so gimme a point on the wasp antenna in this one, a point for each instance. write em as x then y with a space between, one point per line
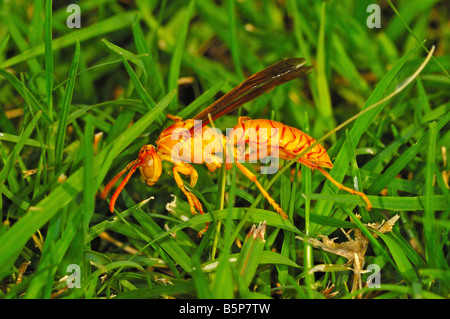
123 183
114 180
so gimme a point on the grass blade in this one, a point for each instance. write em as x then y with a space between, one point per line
144 96
435 256
168 244
65 107
156 80
413 203
404 266
48 54
12 158
323 91
234 44
127 55
177 56
251 253
3 43
27 95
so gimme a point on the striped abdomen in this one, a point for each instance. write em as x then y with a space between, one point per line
265 137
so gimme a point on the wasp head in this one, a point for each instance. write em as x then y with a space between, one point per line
150 164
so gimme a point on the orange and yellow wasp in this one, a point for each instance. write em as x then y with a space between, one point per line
190 148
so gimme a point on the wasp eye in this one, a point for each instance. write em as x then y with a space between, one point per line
144 150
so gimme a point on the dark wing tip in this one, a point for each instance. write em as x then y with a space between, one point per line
296 66
290 69
295 61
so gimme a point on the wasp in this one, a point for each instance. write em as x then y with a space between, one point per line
186 141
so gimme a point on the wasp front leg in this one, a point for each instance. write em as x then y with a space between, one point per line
194 203
188 170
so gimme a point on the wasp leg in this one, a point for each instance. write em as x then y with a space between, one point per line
194 203
174 117
243 119
253 178
347 189
213 163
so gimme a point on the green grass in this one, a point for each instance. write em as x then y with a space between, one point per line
118 75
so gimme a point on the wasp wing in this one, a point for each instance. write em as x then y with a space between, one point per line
256 85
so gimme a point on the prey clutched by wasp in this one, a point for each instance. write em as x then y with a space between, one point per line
193 141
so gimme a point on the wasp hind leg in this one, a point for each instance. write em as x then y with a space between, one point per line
253 178
347 189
